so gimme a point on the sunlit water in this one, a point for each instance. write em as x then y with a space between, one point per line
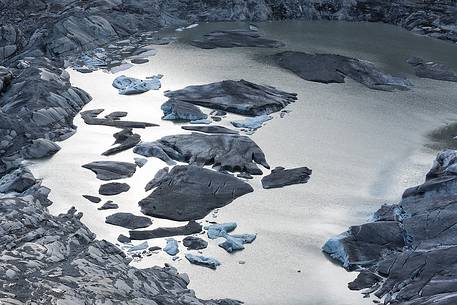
364 147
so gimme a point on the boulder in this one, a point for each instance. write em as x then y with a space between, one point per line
111 170
280 177
40 148
191 193
190 228
129 221
194 243
113 188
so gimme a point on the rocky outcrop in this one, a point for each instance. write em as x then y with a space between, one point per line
240 97
280 177
48 259
191 193
235 38
331 68
409 252
226 151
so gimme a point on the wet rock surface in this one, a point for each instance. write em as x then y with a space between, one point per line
190 228
113 188
241 97
210 129
432 70
229 152
181 111
128 220
191 193
44 255
280 177
235 38
331 68
90 117
194 243
111 170
409 252
125 139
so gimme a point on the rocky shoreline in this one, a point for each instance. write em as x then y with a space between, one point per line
56 259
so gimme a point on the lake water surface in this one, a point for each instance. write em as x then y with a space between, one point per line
364 146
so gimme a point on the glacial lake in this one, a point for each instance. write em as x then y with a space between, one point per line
364 147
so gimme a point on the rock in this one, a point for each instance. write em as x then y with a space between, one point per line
331 68
190 228
220 230
204 261
210 129
364 280
125 139
113 188
281 177
129 85
202 121
109 205
123 239
92 199
432 70
17 181
6 77
40 148
111 170
162 174
240 97
181 111
245 175
90 118
140 162
235 38
116 115
172 247
191 193
194 243
229 152
252 123
139 61
129 221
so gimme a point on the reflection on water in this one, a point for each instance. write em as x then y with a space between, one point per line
364 147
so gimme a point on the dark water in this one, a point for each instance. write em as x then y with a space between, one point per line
364 147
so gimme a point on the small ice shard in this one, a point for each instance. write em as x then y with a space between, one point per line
172 247
252 123
129 85
139 247
220 230
204 261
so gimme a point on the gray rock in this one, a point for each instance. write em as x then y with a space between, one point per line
172 247
162 174
140 162
241 97
125 139
432 70
113 188
129 221
190 228
40 148
129 85
331 68
17 181
90 117
181 111
280 177
210 129
109 205
191 193
194 243
111 170
229 152
139 61
204 261
235 38
92 199
123 239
